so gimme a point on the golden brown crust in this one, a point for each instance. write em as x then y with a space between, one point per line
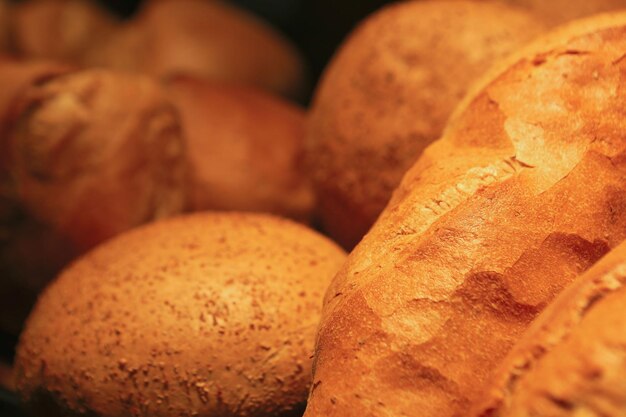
523 193
210 39
95 153
387 94
559 11
244 149
58 29
571 361
207 314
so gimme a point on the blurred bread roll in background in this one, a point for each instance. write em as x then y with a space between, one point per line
31 253
387 94
94 153
58 29
572 360
208 314
244 149
210 39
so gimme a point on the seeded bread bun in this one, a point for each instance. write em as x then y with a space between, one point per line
388 93
572 360
95 153
208 314
244 149
58 29
209 39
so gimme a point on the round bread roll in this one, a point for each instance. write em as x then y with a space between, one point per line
208 314
388 93
571 361
244 149
58 29
95 153
210 39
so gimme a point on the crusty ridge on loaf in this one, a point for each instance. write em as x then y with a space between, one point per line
572 360
431 300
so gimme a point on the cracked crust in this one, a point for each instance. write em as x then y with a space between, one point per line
430 302
207 39
207 314
94 153
388 93
572 360
244 149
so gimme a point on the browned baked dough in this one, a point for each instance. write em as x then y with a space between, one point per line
572 360
208 314
388 93
95 153
30 252
559 11
526 190
58 29
244 149
204 38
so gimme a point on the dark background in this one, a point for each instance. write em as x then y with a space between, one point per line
316 27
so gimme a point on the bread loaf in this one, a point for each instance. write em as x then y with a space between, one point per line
208 314
210 39
388 93
572 359
95 153
244 149
58 29
525 190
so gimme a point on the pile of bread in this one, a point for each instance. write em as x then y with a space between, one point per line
469 154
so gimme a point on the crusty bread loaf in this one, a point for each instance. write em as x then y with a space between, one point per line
244 149
58 29
207 314
95 153
525 191
572 360
204 38
388 93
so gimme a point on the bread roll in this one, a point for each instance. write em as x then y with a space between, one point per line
31 253
210 39
95 153
58 29
388 93
16 77
572 360
209 314
244 149
525 191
